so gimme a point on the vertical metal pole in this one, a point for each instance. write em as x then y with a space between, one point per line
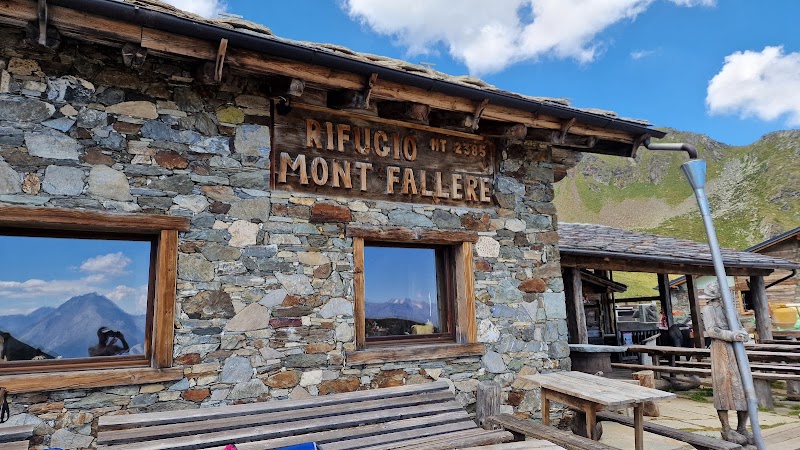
695 171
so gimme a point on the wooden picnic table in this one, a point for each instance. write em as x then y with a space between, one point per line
590 394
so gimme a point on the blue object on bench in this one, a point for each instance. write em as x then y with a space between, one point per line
306 446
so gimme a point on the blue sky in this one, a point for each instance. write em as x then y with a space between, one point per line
36 272
650 59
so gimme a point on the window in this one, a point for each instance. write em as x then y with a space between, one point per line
87 298
408 292
413 293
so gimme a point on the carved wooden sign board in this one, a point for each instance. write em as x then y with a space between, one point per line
332 153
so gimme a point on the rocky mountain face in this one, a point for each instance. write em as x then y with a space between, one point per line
754 190
69 330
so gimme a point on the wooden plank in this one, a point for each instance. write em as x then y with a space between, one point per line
16 433
629 263
78 24
39 382
758 295
359 320
787 368
327 152
81 220
400 437
451 440
753 355
665 298
772 348
704 372
171 43
17 445
576 315
683 436
411 235
536 430
166 417
323 415
418 424
523 445
466 318
694 309
283 428
164 313
603 391
421 352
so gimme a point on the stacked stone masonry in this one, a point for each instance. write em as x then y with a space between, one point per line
265 279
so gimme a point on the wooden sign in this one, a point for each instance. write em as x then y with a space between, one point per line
333 153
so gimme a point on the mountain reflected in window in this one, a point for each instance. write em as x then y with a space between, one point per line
402 292
72 298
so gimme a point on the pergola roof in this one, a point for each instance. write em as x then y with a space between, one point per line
606 248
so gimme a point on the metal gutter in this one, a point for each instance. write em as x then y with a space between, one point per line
167 22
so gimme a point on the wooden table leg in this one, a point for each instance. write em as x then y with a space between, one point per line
591 421
638 426
545 407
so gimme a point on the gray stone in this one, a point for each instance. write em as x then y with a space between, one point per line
236 370
305 361
194 267
92 118
248 389
252 140
180 385
486 247
555 305
295 284
63 438
69 89
140 109
252 317
487 331
160 131
209 305
114 141
105 182
405 217
507 185
111 96
219 145
344 332
336 307
60 180
243 233
255 180
18 199
503 311
62 124
506 291
217 252
52 144
250 209
559 349
194 203
188 100
532 309
444 219
143 400
273 298
11 137
493 362
24 109
181 184
537 221
9 179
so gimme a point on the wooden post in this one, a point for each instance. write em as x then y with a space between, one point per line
694 308
666 300
764 394
793 390
647 378
758 294
576 316
488 404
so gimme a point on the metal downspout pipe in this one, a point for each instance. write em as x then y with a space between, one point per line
695 171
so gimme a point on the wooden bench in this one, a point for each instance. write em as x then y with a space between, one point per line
522 428
417 416
697 441
15 437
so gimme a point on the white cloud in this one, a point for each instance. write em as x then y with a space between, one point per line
132 300
205 8
489 36
111 263
762 84
61 289
639 54
692 3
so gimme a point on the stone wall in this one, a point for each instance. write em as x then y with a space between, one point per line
265 279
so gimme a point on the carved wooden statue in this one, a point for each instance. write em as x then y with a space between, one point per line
727 381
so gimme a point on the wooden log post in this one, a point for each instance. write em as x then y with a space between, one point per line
764 394
576 316
694 309
666 299
758 294
793 390
488 404
647 378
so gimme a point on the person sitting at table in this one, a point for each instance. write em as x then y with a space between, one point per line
725 377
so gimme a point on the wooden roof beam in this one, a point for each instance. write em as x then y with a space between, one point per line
626 264
406 111
517 131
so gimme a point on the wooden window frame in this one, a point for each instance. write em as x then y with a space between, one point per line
155 365
464 338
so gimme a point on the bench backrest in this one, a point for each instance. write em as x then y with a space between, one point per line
359 419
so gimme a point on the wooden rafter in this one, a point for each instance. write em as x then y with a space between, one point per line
476 116
222 50
368 88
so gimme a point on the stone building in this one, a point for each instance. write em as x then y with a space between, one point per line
275 186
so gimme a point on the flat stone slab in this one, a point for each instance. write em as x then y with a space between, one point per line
590 348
